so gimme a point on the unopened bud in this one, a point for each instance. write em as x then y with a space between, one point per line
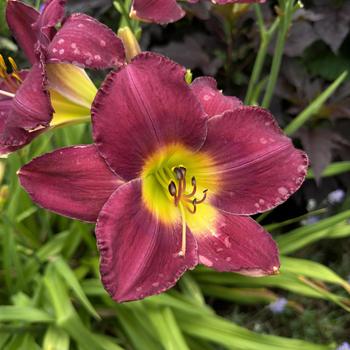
132 47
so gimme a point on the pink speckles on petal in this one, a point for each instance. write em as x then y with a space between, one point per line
283 191
260 167
160 11
250 249
80 46
212 100
205 261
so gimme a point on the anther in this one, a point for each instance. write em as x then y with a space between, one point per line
2 64
203 198
179 173
194 190
13 64
172 189
183 171
194 203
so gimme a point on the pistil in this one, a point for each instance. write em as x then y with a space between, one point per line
178 192
184 226
7 94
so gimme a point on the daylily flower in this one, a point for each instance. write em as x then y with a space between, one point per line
56 90
167 11
172 175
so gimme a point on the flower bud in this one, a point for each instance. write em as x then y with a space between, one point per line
132 47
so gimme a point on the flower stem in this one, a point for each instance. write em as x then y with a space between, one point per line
287 9
123 8
265 37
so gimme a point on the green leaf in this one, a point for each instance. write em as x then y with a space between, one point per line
136 325
285 280
4 337
333 169
55 339
22 342
227 334
66 273
167 329
24 314
334 226
66 316
276 225
313 270
240 295
314 107
190 288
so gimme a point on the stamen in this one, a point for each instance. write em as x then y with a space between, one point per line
13 64
194 190
8 78
182 252
179 174
203 198
194 203
183 171
180 177
172 188
2 64
15 70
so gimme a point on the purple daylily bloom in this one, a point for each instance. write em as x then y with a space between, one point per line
167 11
55 79
173 174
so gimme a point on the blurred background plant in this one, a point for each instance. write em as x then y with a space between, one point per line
287 56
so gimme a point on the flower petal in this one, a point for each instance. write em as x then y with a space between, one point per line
71 82
258 165
31 108
5 108
238 245
66 111
20 18
212 100
139 255
142 107
52 14
159 11
74 43
223 2
14 84
73 181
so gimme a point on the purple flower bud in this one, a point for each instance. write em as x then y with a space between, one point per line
278 306
336 196
344 346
